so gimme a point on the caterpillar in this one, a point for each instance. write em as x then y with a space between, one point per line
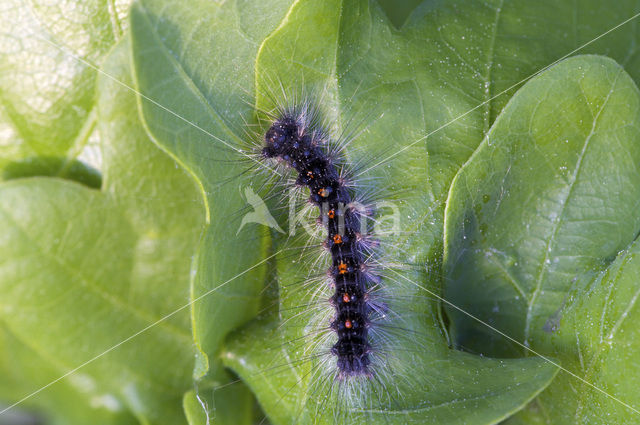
293 141
337 316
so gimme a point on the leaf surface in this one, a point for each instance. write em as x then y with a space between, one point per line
99 266
47 97
533 222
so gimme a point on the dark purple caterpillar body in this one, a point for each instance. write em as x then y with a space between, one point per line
290 140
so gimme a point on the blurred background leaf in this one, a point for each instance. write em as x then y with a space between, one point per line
98 266
47 97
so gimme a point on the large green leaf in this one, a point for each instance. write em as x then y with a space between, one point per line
596 338
47 102
82 270
74 401
204 84
231 405
545 204
551 193
472 52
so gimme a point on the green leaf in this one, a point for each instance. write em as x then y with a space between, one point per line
82 270
597 339
398 12
60 273
545 204
472 54
199 60
551 193
204 87
47 101
74 401
231 405
193 408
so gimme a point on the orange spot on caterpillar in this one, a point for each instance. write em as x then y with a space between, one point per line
348 324
346 298
310 174
342 268
324 192
337 239
331 214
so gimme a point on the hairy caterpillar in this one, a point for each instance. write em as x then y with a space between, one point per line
299 145
337 313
